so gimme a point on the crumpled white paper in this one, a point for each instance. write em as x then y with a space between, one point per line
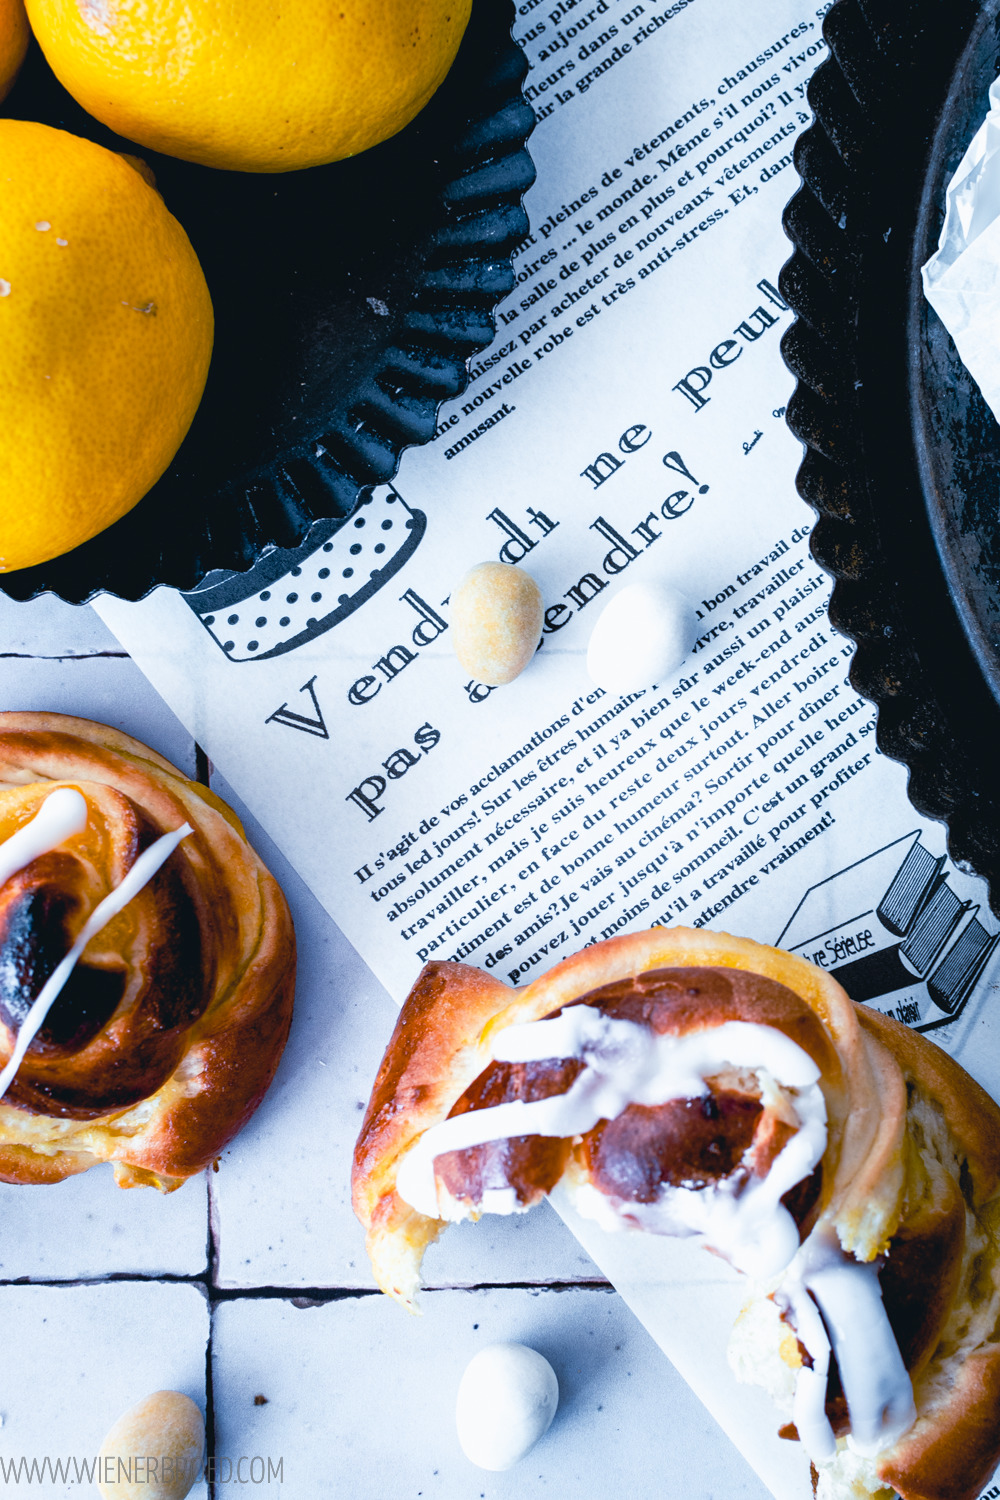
962 279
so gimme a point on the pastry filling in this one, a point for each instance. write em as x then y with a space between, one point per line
700 1133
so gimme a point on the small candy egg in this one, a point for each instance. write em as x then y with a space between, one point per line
160 1442
641 636
506 1401
496 622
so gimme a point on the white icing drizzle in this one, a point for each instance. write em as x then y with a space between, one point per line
809 1408
61 815
628 1064
877 1386
54 827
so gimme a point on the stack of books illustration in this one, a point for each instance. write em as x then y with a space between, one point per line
895 934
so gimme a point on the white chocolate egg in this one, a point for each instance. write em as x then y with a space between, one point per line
153 1452
641 637
496 622
506 1401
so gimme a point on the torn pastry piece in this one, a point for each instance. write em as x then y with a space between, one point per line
689 1083
938 1283
147 960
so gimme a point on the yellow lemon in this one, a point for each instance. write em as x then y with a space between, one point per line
13 41
105 340
252 85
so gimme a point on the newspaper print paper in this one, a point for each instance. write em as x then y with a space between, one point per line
627 423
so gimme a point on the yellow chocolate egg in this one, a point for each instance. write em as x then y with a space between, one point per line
153 1452
496 622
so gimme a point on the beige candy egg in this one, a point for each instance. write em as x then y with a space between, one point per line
153 1452
496 622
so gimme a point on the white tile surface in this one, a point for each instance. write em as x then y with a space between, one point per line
110 689
627 1423
109 1230
75 1358
86 1226
283 1189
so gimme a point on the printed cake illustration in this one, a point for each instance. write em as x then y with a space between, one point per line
293 595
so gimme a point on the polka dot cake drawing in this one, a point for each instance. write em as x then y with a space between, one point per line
292 596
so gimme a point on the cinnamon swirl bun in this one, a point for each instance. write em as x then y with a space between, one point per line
147 960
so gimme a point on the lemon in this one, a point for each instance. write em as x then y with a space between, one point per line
105 340
13 41
252 85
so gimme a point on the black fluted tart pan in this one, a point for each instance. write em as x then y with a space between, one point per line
348 300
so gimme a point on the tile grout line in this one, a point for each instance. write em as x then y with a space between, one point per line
202 766
210 1444
212 1281
67 656
202 772
307 1296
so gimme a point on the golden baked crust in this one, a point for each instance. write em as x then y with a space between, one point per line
169 1033
435 1052
952 1450
973 1117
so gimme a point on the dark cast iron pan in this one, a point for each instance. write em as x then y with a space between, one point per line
902 458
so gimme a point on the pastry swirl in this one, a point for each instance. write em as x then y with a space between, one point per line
683 1082
167 1033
